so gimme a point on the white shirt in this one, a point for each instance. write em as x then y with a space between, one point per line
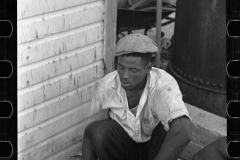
161 101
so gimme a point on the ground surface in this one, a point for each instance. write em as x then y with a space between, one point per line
78 156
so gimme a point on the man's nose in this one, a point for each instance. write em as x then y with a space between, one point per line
126 74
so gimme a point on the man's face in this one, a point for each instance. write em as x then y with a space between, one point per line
131 70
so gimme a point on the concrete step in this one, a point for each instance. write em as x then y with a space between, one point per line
206 128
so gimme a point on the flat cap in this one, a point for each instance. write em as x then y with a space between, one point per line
135 43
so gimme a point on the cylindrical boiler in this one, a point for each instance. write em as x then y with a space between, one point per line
199 59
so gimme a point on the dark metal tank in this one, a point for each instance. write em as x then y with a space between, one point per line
199 59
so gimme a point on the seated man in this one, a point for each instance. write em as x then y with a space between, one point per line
216 150
146 118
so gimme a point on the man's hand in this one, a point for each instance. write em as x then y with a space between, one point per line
104 114
176 140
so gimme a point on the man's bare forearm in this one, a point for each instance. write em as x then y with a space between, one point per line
176 140
173 146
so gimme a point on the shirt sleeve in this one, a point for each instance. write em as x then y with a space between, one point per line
97 99
169 104
98 102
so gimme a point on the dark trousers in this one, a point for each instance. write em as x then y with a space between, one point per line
111 142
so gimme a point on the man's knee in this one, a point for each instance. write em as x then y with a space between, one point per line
97 133
196 157
89 130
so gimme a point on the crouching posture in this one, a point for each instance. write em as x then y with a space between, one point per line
145 117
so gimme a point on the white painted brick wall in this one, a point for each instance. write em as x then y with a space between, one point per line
61 57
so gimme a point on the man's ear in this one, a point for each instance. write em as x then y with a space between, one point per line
149 66
115 63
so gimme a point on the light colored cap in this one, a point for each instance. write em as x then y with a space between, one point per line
135 43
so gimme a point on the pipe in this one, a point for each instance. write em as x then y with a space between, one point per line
158 36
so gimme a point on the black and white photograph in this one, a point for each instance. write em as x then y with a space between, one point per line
121 80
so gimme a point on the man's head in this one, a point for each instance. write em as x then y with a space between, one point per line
135 54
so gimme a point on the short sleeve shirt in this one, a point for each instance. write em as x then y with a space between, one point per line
161 101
